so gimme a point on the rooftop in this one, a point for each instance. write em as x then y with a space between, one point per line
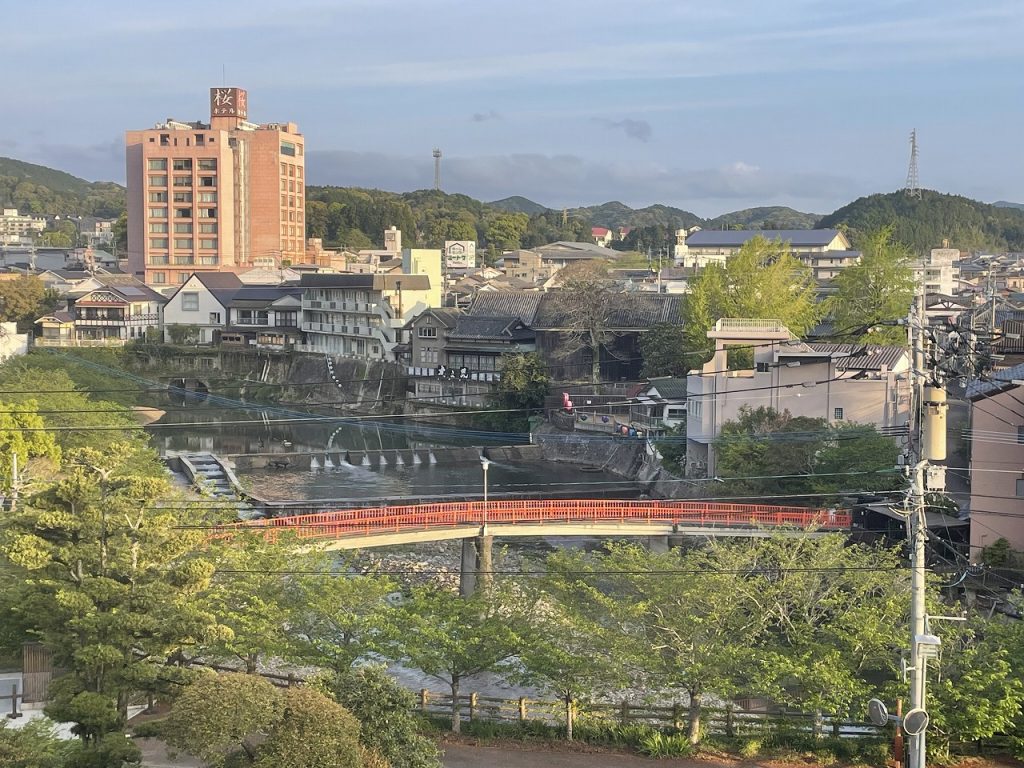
797 238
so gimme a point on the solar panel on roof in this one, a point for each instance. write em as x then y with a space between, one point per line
131 290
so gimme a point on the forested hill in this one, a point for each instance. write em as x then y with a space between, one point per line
769 217
923 223
40 190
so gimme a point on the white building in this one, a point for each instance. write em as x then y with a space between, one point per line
12 343
853 383
940 271
825 251
202 303
16 229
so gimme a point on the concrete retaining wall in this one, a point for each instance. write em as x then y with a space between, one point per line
374 459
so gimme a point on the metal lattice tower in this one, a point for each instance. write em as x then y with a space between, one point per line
913 188
437 168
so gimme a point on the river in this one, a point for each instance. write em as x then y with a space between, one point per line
201 426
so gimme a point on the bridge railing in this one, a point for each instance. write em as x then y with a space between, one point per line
379 520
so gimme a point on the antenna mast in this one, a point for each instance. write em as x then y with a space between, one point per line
437 169
913 188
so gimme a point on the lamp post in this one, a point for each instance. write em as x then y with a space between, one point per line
486 541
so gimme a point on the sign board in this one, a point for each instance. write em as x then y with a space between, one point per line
228 102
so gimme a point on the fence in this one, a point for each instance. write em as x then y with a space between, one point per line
11 711
724 721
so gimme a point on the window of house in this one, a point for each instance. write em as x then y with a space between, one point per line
837 414
215 318
675 413
253 317
427 332
287 318
694 408
190 301
158 164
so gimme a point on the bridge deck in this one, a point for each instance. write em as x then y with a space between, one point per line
530 517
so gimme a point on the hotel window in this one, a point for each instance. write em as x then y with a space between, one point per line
183 197
200 140
158 181
298 171
182 229
208 260
158 197
207 213
182 164
158 227
159 278
158 213
284 169
158 164
208 229
184 243
158 242
208 242
183 213
183 278
208 164
284 201
158 260
291 185
184 261
183 181
207 197
288 148
207 181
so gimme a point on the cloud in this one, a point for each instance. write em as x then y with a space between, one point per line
634 129
100 161
483 117
559 180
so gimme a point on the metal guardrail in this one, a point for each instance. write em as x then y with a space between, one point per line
377 520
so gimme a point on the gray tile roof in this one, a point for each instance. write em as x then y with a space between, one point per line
669 387
860 357
627 311
521 304
223 285
482 327
797 238
996 382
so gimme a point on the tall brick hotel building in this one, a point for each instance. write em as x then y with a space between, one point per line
223 196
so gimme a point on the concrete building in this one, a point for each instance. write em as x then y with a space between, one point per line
18 229
997 461
362 316
852 383
825 251
12 343
219 196
940 271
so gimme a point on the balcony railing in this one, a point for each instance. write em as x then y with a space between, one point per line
750 324
111 342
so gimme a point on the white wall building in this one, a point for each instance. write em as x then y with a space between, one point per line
940 271
202 301
18 229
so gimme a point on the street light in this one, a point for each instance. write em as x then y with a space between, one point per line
485 463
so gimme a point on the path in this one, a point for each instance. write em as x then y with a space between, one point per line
464 756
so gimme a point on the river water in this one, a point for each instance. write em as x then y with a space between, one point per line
200 426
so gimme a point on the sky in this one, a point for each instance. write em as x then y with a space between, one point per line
710 106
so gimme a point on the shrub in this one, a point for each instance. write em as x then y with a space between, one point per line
750 748
661 745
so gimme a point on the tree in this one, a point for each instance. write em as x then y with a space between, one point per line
573 650
23 439
35 745
450 637
385 710
663 348
243 719
762 280
108 580
780 453
523 387
120 232
24 300
585 302
878 289
505 231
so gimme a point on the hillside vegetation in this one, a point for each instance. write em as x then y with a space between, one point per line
767 217
39 190
925 222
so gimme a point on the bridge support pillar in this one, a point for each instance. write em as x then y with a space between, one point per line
467 574
657 544
485 561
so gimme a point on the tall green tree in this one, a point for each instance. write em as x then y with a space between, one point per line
108 580
762 280
878 289
25 444
451 638
585 301
664 349
24 300
523 386
505 231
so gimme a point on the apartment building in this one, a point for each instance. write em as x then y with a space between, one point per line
856 383
223 195
18 229
940 271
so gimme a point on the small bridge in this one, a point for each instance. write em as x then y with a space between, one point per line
383 526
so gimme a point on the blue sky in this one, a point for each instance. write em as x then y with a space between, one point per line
710 106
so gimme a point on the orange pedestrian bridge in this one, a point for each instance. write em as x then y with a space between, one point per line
604 518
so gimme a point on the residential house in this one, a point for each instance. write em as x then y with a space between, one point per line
997 460
842 383
361 315
105 310
659 405
200 305
265 316
602 236
63 280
